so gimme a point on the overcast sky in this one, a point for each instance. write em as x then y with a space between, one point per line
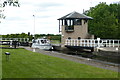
20 19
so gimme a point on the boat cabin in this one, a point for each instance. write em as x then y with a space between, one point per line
41 43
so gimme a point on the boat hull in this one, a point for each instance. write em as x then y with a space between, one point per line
44 47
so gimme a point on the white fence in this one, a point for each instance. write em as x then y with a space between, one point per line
93 42
16 39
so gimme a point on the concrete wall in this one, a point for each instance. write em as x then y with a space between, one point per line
113 56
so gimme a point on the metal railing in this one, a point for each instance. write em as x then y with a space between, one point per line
69 28
93 42
16 39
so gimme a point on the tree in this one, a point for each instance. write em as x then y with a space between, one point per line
11 3
118 20
105 20
4 3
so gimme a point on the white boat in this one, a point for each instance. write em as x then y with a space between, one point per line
42 43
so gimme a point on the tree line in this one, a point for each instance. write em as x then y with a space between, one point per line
106 20
30 36
105 23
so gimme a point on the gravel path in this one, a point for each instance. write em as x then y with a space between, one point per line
88 61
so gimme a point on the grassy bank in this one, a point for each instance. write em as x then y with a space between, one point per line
27 64
0 63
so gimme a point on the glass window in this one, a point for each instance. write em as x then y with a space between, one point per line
79 37
34 41
42 41
85 21
78 22
45 41
69 37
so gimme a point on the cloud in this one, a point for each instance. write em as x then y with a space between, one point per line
48 4
46 14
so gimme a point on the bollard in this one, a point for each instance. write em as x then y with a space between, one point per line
10 43
15 44
7 56
33 49
117 49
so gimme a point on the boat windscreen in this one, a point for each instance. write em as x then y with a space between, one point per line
33 41
43 41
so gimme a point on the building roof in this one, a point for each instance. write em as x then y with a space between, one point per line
75 15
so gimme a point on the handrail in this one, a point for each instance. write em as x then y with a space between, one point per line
93 42
16 39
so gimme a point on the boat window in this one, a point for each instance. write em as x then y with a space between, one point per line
34 41
42 41
38 42
45 41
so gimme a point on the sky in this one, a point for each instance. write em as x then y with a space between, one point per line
21 19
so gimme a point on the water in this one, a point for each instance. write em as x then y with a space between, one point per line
91 55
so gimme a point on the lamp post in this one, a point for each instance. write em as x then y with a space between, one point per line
34 26
118 53
34 32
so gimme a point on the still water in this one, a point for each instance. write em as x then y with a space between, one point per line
91 55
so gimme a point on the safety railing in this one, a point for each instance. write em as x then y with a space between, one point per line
93 42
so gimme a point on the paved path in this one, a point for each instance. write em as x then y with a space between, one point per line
88 61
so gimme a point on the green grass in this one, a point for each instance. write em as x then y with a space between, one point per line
27 64
55 42
0 63
4 46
